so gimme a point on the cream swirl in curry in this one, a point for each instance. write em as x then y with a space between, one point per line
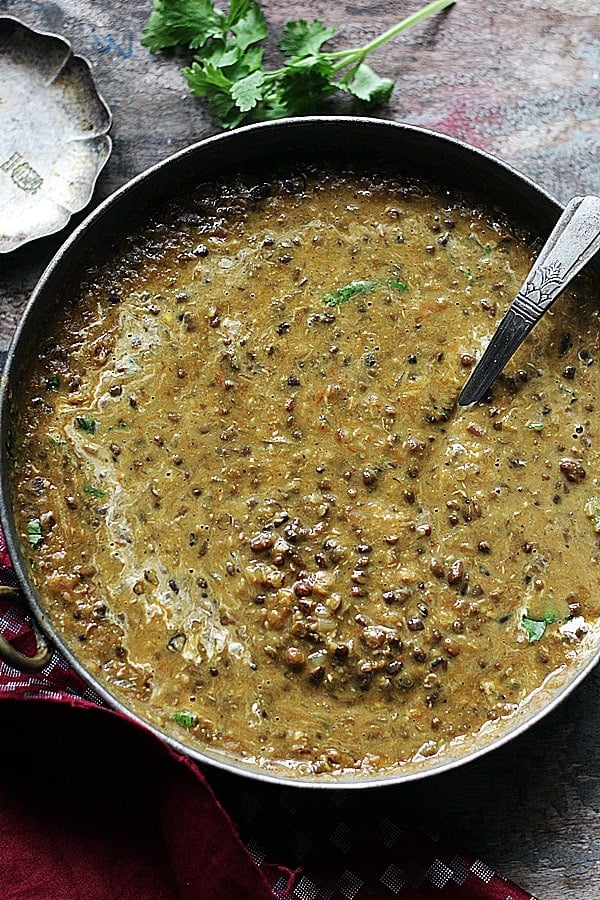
253 507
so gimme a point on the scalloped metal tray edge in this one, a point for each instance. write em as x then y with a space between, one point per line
54 138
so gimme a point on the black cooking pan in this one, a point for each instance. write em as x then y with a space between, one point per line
409 152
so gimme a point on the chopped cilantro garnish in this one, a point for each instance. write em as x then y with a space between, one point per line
87 424
592 511
536 627
93 491
343 294
361 286
185 718
34 533
397 284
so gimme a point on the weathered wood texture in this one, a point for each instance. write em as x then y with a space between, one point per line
522 81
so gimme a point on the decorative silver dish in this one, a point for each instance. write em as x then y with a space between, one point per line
53 133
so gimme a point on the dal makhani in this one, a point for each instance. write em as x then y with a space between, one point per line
251 503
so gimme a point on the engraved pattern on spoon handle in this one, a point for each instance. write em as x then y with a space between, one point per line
538 292
573 242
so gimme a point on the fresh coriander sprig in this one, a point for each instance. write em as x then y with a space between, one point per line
227 68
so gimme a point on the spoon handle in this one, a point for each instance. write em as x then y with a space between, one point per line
573 242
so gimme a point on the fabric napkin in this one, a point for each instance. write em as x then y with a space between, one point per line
95 807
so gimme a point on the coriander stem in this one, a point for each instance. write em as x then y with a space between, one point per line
429 10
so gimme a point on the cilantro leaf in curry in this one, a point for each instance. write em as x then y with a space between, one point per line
87 424
95 492
592 510
227 62
184 718
361 286
34 533
535 628
343 294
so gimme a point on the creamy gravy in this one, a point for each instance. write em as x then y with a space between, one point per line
252 506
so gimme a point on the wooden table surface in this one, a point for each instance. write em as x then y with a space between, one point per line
521 80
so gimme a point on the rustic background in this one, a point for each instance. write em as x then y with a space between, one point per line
521 80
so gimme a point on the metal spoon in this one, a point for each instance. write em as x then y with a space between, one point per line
573 242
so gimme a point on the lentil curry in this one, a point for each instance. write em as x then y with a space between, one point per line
251 503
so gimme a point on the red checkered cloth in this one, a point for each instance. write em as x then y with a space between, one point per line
95 807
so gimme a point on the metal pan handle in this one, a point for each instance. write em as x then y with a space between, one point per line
13 657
